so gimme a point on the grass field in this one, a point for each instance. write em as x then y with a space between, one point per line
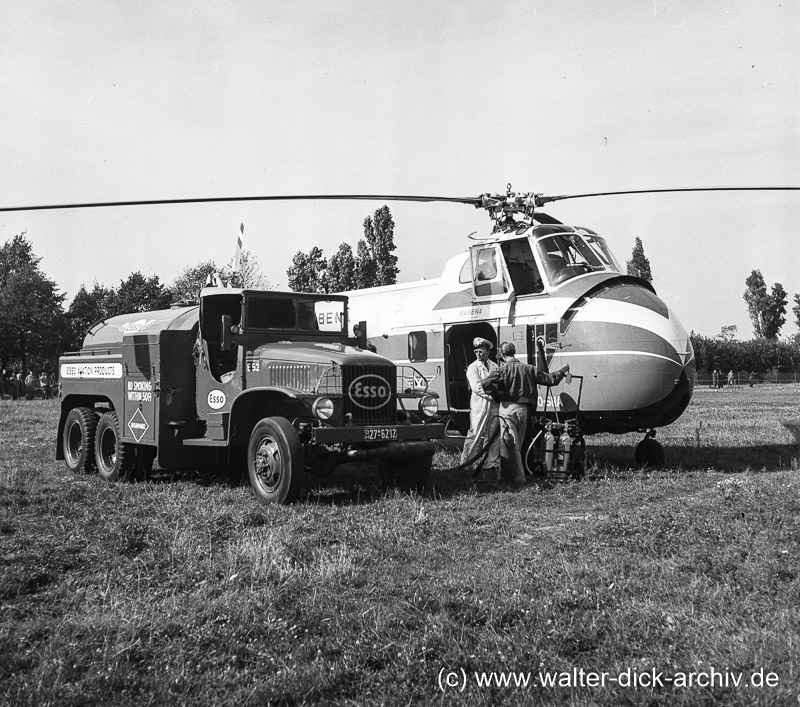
684 581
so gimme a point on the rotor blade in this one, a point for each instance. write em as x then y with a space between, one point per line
475 201
541 200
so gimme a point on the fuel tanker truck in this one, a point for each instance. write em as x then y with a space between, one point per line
262 379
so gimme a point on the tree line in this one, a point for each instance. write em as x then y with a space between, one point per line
35 328
767 310
374 263
766 307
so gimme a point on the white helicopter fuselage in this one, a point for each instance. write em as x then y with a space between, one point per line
634 356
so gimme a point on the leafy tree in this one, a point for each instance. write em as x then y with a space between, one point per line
796 310
380 239
766 309
140 294
189 282
33 326
341 270
86 309
308 271
366 274
728 333
249 274
639 265
373 265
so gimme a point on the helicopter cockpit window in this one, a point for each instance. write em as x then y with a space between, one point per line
567 255
489 278
601 249
521 266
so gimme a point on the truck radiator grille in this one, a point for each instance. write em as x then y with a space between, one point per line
370 394
291 375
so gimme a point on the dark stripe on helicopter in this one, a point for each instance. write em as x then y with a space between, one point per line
608 337
637 295
623 288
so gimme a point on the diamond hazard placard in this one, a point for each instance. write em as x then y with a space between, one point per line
138 425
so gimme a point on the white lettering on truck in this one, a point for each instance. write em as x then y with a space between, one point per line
140 391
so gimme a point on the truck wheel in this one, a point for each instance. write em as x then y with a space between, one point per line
114 458
410 474
275 461
78 439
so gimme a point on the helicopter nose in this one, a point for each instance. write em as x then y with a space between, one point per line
634 353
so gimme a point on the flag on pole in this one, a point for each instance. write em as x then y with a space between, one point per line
237 259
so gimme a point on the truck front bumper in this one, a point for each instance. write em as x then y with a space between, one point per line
378 436
394 450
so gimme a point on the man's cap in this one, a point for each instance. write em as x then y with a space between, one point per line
480 343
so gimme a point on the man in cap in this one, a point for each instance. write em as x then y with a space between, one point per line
519 396
483 411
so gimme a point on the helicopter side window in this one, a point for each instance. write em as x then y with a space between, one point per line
487 265
521 267
489 278
417 346
465 276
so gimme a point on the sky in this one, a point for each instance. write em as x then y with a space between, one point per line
109 100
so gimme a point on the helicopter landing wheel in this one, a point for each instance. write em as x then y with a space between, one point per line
649 452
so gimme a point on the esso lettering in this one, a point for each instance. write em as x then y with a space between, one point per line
370 391
217 399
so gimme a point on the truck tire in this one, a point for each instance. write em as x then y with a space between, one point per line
77 440
275 461
114 458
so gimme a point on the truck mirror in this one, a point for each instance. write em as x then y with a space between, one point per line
360 330
227 333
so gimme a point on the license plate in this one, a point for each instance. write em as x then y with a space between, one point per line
378 433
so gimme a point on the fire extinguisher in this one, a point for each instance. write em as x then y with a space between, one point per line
565 442
549 446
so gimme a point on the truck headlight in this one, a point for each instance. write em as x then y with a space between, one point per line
429 405
323 408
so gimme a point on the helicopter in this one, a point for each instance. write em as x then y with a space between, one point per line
555 290
559 294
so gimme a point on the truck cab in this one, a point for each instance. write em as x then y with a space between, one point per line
270 380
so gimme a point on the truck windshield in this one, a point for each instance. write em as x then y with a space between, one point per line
567 255
303 314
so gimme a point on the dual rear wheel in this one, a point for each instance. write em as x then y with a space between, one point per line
92 441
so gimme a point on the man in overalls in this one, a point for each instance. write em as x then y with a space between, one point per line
483 411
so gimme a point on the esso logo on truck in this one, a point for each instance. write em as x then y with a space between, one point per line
217 399
370 391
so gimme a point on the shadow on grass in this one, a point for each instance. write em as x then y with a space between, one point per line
361 483
771 457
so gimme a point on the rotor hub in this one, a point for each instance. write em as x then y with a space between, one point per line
509 211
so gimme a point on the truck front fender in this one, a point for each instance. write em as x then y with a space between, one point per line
255 404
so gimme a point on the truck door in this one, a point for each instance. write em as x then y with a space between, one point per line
140 383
